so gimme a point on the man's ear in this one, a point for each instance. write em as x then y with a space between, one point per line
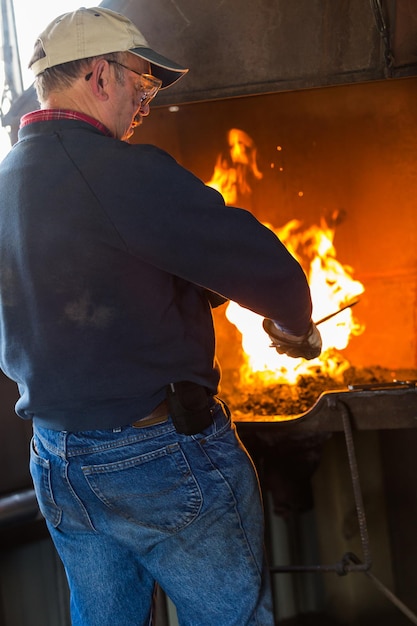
100 79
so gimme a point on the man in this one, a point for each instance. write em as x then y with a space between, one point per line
110 254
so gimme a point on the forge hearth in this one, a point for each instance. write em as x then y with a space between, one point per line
346 151
286 400
378 406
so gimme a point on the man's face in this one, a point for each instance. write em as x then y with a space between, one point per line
131 95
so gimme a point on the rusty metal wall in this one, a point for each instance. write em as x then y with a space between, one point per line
238 47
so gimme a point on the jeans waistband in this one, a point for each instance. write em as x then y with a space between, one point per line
61 443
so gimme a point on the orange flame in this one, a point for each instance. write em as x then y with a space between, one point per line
232 171
331 283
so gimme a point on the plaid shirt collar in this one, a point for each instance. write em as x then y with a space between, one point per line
46 115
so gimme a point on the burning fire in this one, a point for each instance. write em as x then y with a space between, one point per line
232 172
331 283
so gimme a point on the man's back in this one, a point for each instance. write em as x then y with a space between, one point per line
94 325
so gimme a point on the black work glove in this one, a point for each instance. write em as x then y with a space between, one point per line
307 346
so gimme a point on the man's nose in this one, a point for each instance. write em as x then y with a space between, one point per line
144 109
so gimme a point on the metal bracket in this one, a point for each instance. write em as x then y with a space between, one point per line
350 562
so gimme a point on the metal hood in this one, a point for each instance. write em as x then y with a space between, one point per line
239 48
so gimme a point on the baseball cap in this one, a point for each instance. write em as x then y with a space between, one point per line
89 32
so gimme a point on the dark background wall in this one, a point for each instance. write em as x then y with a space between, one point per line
239 47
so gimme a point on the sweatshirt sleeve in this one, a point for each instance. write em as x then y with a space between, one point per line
171 219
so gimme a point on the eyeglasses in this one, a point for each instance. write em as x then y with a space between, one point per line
149 85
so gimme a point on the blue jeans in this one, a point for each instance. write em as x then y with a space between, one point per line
128 507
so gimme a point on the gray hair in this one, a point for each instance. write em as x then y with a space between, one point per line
62 76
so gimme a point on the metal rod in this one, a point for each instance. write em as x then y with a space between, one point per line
387 592
347 563
393 598
343 308
350 562
357 492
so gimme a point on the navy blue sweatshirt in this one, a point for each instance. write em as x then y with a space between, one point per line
107 251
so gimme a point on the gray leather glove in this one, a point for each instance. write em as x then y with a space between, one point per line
307 346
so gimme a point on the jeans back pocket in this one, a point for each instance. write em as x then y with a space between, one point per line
156 489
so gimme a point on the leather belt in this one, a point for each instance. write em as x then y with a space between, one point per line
158 416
